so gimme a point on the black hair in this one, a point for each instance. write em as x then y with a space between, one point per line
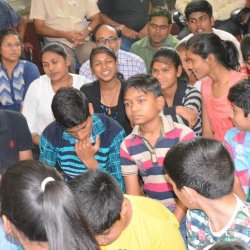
239 95
198 6
70 107
160 11
100 198
101 49
245 47
201 164
48 214
229 246
225 52
145 83
116 29
54 47
7 32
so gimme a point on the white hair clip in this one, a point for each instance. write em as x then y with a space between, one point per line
45 181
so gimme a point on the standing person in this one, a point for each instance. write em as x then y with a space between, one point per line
159 27
40 211
106 94
210 56
129 64
37 103
63 21
16 74
183 102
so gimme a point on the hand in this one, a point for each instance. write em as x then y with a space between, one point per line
129 33
143 32
86 152
188 114
81 37
74 37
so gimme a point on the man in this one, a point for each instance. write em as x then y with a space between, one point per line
199 15
63 21
77 141
128 63
159 27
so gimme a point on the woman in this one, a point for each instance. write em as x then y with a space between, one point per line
37 103
183 102
210 56
39 210
106 94
16 74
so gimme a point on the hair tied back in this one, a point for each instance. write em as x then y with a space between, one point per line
45 181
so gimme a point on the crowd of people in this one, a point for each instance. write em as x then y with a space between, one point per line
130 138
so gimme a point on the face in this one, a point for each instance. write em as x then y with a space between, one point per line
166 73
158 30
55 66
107 36
247 63
10 49
200 22
83 130
142 108
104 67
239 120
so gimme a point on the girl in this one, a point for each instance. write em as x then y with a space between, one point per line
183 102
15 74
210 56
37 103
106 94
39 209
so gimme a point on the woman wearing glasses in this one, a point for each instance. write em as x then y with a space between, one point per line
106 93
15 74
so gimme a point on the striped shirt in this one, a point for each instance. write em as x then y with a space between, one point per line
139 157
57 148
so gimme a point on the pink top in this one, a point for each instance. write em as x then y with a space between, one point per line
218 109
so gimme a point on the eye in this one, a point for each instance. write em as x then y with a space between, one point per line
127 104
141 100
165 70
203 18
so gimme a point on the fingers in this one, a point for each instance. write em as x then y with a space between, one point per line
97 143
91 109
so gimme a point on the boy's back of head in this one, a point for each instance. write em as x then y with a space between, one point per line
203 165
100 199
198 6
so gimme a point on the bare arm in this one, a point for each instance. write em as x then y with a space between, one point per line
25 155
22 26
188 114
206 126
132 185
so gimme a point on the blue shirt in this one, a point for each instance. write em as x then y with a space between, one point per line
57 148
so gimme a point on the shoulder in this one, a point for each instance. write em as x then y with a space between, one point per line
79 80
53 132
13 117
90 88
141 43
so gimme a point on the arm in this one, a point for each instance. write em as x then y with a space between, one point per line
206 126
132 185
179 211
25 155
22 25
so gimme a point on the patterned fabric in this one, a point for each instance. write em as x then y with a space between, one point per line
128 65
57 148
238 144
237 229
139 157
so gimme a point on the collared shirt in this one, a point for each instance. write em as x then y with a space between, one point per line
129 65
139 157
143 48
57 148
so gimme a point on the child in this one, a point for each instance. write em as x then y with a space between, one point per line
39 209
237 139
124 221
202 174
245 49
143 151
183 102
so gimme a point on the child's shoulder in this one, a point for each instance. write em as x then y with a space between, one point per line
237 136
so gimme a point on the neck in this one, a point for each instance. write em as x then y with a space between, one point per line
169 94
111 85
32 245
218 73
9 66
155 45
66 81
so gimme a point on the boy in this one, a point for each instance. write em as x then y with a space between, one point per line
77 141
237 139
124 222
143 151
202 174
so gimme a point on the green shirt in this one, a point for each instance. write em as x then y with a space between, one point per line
143 48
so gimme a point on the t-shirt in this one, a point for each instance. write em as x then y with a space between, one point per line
152 227
6 242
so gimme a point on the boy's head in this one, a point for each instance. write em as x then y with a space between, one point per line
199 15
201 165
239 96
101 201
245 49
143 99
71 111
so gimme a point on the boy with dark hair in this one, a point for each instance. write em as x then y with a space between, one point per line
202 174
124 222
142 152
77 141
237 139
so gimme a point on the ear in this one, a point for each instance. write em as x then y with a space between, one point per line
212 21
125 207
210 59
68 61
179 71
160 102
190 194
6 225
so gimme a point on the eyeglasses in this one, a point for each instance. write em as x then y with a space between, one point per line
111 39
10 45
161 27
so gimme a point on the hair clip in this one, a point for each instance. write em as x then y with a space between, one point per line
45 181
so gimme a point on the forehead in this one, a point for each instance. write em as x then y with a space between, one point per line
50 55
105 31
11 37
159 19
197 15
135 93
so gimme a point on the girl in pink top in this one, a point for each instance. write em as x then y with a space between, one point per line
210 56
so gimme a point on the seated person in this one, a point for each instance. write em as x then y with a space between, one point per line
202 175
78 141
124 221
245 49
129 64
159 26
229 246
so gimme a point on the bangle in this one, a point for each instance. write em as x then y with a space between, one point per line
89 29
121 27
